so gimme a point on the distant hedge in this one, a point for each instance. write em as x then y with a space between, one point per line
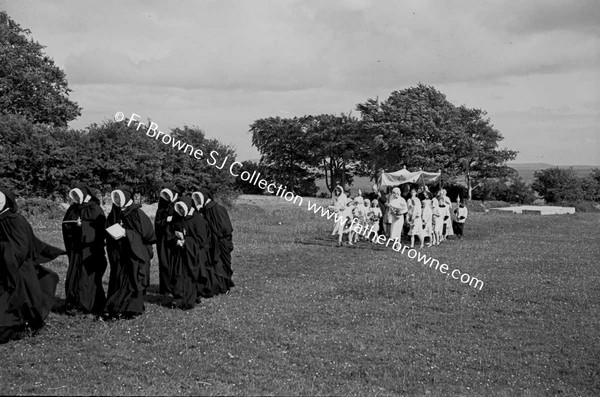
44 161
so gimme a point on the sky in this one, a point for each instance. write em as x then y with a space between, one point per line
534 66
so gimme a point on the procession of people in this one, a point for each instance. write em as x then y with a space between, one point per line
419 216
193 237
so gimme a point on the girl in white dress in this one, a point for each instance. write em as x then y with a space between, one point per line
415 218
339 200
427 219
374 216
344 220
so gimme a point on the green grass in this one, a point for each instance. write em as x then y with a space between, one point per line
319 320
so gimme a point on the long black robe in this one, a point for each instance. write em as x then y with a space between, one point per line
26 288
163 222
221 245
190 264
129 259
87 262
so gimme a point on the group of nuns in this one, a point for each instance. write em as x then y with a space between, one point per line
193 236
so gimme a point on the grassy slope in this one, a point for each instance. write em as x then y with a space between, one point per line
312 320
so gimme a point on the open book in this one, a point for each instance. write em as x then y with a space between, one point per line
116 231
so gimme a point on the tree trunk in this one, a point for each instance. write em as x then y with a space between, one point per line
469 187
344 175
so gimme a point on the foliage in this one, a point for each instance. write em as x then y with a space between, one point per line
31 84
411 128
282 144
557 185
45 161
35 157
511 189
418 128
40 207
249 188
476 150
334 144
188 172
455 189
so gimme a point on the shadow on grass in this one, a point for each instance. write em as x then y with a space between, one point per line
60 307
154 297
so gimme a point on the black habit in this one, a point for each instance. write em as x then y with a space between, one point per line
162 225
129 257
221 243
190 239
83 234
26 288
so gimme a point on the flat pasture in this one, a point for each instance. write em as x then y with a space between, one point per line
322 320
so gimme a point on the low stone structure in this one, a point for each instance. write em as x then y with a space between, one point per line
537 210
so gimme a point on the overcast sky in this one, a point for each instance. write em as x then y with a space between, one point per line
534 66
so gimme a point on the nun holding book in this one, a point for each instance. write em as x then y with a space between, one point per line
83 235
129 240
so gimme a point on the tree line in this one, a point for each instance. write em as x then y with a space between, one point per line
416 127
40 156
45 161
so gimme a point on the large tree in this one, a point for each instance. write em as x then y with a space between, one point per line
334 144
420 129
475 148
31 85
282 144
411 128
557 185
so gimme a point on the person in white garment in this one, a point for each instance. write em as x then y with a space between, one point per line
447 221
397 210
338 204
427 216
415 218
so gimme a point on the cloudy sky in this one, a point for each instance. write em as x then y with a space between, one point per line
534 66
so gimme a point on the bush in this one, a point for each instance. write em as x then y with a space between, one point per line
454 189
249 188
40 207
511 189
43 161
557 185
582 206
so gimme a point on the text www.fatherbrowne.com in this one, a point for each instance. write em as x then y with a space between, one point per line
213 159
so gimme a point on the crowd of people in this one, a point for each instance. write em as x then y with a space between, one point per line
193 237
421 216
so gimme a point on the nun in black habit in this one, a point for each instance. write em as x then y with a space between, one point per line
163 222
83 233
129 248
26 288
221 241
190 237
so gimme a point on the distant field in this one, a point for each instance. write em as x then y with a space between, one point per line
525 170
320 320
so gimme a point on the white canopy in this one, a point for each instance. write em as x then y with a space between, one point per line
405 176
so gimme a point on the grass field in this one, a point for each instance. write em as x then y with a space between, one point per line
320 320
